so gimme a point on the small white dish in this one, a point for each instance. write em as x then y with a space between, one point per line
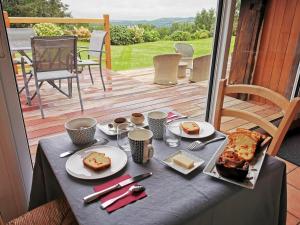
169 162
206 129
76 168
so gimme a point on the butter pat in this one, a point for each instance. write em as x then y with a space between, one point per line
183 161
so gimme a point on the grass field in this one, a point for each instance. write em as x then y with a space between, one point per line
141 55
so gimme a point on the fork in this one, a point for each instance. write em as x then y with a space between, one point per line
197 145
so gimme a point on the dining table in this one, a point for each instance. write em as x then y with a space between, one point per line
172 198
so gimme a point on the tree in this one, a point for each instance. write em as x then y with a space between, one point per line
206 19
36 8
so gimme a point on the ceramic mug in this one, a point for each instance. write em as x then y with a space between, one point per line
140 145
81 130
156 121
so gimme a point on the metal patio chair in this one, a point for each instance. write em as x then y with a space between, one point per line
94 50
55 58
19 41
187 52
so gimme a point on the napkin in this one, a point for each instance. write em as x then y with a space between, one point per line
171 114
122 202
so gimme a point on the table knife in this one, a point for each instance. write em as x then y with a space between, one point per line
102 141
94 196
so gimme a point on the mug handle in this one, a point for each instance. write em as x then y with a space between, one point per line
150 151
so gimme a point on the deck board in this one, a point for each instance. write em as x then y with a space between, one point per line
128 91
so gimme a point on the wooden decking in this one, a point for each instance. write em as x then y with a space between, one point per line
128 91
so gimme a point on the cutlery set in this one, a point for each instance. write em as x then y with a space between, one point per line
132 189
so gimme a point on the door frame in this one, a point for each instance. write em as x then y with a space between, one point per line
221 47
16 166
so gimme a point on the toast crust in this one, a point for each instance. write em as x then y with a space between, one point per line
97 161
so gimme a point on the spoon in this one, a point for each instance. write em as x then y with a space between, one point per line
133 189
197 145
101 141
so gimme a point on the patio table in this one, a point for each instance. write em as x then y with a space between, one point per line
172 198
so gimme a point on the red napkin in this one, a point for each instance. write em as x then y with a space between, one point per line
171 114
122 202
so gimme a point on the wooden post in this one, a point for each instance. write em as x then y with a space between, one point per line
6 19
246 41
7 24
107 42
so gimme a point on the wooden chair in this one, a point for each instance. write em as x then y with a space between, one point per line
56 212
289 108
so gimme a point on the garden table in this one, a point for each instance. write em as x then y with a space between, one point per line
182 70
172 198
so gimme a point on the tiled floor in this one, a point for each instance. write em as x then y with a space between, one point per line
293 194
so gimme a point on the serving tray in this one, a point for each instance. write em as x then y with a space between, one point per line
254 167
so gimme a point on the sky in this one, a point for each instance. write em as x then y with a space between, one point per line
138 9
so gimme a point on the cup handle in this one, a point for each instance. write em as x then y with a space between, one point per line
150 151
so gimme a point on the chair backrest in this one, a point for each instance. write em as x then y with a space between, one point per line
54 53
166 68
19 38
186 50
97 41
289 108
201 67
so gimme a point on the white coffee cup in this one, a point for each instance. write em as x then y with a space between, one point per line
140 145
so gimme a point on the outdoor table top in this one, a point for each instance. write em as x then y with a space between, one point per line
172 198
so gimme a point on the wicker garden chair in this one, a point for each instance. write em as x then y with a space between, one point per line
201 67
94 50
56 212
187 52
55 58
166 68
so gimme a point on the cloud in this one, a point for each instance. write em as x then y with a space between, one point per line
138 9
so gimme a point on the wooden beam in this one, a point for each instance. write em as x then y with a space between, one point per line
107 42
55 20
6 19
243 56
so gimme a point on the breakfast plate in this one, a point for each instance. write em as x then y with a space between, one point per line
206 129
75 167
169 162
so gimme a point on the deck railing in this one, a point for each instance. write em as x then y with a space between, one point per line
65 20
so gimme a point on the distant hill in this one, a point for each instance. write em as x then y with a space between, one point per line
161 22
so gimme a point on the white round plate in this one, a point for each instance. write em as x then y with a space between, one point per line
206 129
76 168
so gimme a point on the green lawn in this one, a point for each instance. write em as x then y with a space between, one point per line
140 55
